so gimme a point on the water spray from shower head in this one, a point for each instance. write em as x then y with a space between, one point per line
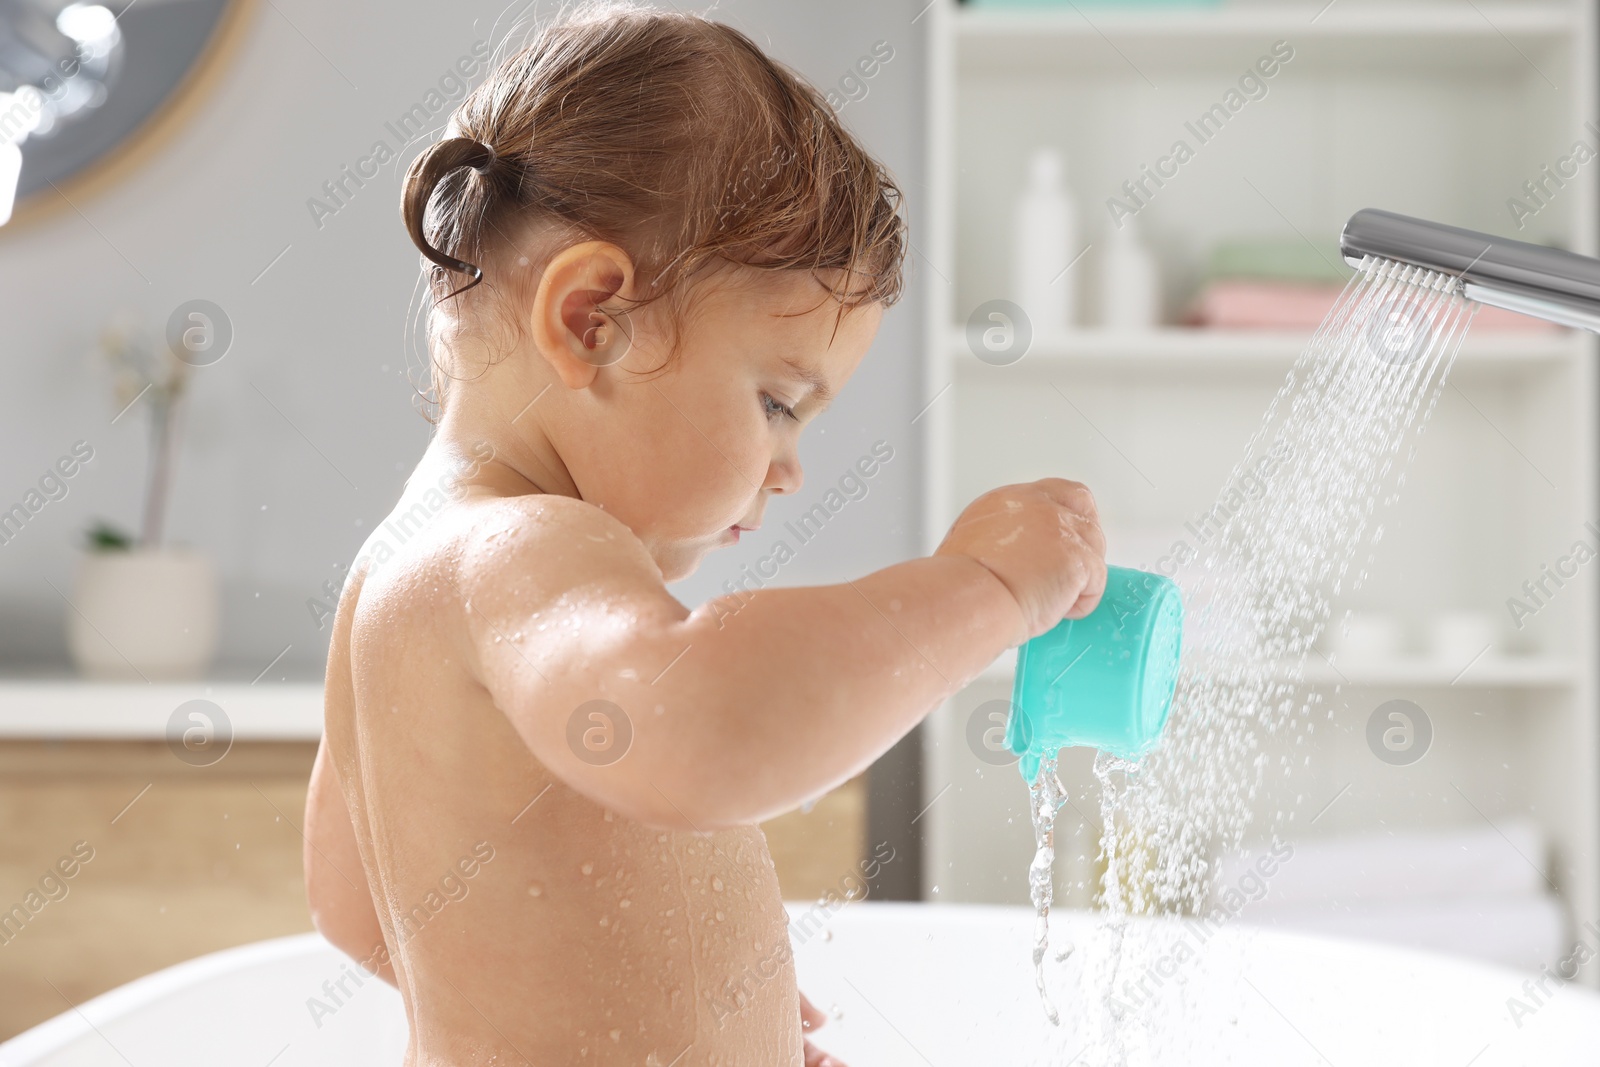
1547 283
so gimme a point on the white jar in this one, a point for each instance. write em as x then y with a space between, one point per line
1366 636
1130 286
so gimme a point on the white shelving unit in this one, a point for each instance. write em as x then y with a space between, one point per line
1440 110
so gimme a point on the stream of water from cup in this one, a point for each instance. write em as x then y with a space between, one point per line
1258 590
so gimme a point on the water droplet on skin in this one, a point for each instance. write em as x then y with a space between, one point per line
624 903
587 867
716 883
535 889
616 1035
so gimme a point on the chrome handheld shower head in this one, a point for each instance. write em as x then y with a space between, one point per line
1547 283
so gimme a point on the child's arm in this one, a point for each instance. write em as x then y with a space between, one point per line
336 883
750 705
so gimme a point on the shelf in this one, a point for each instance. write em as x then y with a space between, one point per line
1504 672
1178 348
1482 39
74 709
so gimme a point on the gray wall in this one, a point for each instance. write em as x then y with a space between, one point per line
299 439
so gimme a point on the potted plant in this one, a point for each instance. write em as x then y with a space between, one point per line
144 608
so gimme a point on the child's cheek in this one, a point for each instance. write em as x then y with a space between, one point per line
728 494
706 463
696 493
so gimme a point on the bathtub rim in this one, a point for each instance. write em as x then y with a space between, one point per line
80 1021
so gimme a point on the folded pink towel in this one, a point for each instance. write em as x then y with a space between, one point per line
1240 304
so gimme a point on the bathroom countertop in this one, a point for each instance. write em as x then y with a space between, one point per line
68 708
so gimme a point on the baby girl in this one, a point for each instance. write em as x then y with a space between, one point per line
655 256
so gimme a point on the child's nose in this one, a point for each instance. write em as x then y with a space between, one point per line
785 475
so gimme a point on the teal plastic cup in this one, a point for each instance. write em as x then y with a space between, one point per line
1104 681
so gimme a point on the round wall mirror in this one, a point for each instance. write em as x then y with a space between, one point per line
87 88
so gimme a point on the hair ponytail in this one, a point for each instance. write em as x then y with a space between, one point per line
423 177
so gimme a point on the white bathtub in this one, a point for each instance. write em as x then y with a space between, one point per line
940 985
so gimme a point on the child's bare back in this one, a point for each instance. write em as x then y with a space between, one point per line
526 919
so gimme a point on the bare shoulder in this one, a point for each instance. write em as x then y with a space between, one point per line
491 573
546 544
511 557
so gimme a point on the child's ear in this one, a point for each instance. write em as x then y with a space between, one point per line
575 336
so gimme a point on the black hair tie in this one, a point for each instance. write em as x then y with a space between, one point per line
429 168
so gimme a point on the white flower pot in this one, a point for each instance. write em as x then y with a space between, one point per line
144 614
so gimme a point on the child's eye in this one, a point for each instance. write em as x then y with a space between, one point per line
773 408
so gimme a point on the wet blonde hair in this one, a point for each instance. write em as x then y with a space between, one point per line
675 138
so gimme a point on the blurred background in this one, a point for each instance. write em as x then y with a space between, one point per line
221 178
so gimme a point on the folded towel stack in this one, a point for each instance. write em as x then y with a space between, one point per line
1480 892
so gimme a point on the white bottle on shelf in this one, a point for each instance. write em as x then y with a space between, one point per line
1130 286
1044 244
